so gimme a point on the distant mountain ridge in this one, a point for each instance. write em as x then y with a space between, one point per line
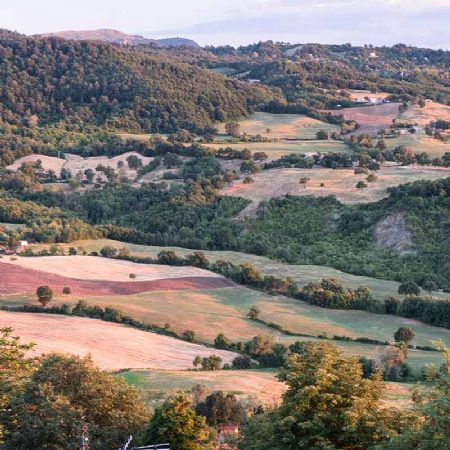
118 37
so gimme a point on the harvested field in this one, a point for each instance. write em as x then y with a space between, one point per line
281 126
419 143
280 148
112 346
371 118
302 274
356 94
17 279
48 162
338 182
99 268
423 116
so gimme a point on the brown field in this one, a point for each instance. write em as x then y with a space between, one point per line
371 118
99 268
111 345
24 275
339 182
302 274
281 126
75 163
423 116
356 94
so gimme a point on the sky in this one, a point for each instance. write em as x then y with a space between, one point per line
423 23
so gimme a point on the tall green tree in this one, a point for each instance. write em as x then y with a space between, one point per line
67 392
328 405
175 422
15 369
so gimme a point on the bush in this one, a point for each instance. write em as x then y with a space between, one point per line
66 290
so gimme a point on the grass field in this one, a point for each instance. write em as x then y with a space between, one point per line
302 274
277 149
281 126
371 118
419 143
252 387
112 346
99 268
340 182
423 116
75 163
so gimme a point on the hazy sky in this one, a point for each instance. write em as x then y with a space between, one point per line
416 22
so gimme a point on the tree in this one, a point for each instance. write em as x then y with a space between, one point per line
404 334
90 175
44 295
249 167
222 342
409 288
212 363
361 185
66 290
221 409
189 335
233 129
134 162
15 370
176 423
242 362
328 405
304 181
172 160
430 286
168 257
253 312
108 251
197 361
66 392
132 276
322 135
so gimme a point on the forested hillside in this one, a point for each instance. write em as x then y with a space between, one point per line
48 80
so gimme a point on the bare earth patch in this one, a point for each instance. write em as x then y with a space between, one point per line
111 345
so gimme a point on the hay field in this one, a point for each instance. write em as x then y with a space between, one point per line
339 182
423 116
371 118
280 148
112 346
302 274
419 143
99 268
355 94
281 126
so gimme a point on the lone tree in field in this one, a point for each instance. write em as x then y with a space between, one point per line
409 288
304 181
254 312
132 276
233 129
322 135
66 290
361 185
44 295
404 334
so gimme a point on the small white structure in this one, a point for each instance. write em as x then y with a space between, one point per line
23 243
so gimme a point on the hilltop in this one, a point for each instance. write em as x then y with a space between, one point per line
119 37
